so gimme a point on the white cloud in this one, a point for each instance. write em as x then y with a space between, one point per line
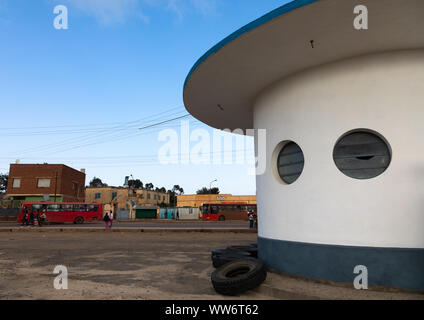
176 7
206 7
182 7
108 11
119 11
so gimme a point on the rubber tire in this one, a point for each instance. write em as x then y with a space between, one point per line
220 252
79 220
251 250
221 218
220 260
248 280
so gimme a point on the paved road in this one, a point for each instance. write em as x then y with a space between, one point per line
149 224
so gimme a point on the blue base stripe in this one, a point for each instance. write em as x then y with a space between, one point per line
393 267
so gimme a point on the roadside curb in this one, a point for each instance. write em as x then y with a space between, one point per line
133 230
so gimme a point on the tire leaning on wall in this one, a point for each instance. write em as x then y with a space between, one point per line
224 258
238 276
253 251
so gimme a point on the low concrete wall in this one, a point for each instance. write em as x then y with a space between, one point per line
9 212
123 215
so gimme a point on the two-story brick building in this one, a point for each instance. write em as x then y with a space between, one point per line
32 182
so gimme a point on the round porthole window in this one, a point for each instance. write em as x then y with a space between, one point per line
290 162
362 154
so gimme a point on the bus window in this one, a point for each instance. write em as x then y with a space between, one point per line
205 209
214 209
53 207
66 207
80 207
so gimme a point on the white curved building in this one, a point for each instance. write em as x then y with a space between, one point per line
344 113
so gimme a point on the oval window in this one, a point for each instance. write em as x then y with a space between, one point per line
362 154
290 162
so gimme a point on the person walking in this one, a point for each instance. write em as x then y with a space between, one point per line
31 218
106 219
251 221
43 218
111 219
25 218
37 218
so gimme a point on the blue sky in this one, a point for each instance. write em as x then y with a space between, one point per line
79 96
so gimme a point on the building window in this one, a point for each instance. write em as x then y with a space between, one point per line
148 195
114 195
290 162
362 154
17 183
43 183
163 198
97 196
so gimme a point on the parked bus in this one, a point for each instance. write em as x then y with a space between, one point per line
227 211
64 211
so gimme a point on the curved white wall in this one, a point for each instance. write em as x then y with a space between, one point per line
384 93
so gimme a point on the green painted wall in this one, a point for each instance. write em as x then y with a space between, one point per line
145 213
36 199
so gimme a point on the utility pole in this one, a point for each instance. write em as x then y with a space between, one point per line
210 189
210 185
55 188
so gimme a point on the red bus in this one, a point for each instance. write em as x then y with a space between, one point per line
227 211
64 211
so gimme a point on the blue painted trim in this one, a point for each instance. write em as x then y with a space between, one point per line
393 267
249 27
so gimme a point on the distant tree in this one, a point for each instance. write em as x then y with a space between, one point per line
97 183
135 184
205 190
149 186
176 191
4 178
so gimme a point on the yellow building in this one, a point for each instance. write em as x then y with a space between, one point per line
123 198
196 200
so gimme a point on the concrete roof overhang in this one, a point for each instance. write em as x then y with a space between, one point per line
222 85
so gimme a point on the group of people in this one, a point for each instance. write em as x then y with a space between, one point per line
108 219
33 218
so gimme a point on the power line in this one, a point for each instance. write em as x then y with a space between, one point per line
109 131
133 156
157 124
86 125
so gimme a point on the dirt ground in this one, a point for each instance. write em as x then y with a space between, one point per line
112 265
123 265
